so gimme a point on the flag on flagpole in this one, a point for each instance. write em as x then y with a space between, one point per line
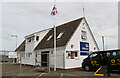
54 11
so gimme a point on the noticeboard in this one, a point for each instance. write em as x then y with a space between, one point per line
84 46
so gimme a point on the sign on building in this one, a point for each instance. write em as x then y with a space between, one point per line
12 55
84 48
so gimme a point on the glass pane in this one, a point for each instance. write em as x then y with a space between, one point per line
84 35
93 55
76 54
60 35
118 53
114 54
49 37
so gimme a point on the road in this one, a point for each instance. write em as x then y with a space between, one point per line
13 71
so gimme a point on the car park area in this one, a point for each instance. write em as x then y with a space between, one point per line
10 70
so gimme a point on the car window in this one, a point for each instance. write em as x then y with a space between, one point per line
93 55
119 53
114 53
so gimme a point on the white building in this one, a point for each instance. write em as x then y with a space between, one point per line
75 42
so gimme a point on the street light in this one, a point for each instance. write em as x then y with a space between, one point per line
16 43
103 42
16 38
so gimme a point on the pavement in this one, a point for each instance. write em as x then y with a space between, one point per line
10 70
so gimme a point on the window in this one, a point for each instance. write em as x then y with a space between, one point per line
94 48
60 35
29 40
76 54
49 37
114 54
51 52
28 55
83 35
119 53
83 27
37 38
83 24
72 46
32 38
23 55
93 55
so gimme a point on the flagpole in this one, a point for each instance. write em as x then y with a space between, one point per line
55 40
55 43
83 9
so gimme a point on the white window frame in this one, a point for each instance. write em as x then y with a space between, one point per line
49 37
28 55
77 58
23 55
82 36
60 35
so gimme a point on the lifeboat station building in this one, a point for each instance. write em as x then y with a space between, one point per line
74 42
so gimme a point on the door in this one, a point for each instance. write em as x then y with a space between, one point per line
95 59
113 58
44 58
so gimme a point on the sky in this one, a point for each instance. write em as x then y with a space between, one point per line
24 18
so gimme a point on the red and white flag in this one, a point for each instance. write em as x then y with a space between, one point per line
54 11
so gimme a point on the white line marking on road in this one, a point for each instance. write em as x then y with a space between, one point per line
61 75
41 75
69 74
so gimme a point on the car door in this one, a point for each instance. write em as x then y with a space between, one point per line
113 58
118 59
94 59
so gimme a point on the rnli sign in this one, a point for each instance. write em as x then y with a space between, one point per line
84 46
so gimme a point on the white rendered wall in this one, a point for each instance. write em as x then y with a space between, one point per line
75 40
29 47
59 57
29 61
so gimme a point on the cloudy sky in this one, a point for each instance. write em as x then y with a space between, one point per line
24 18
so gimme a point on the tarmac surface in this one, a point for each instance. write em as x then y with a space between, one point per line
10 70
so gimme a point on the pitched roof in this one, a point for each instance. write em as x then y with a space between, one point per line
21 47
68 29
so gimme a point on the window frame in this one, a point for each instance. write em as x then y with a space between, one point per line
92 55
83 35
75 54
37 38
28 55
60 35
112 54
49 38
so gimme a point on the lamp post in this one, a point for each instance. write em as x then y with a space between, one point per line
16 43
103 42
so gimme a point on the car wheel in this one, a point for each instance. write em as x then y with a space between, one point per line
87 68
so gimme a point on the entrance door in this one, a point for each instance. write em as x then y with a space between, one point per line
44 58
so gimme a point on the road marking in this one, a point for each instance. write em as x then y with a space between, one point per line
65 74
61 75
41 75
69 74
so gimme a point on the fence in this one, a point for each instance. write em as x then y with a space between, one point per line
47 59
6 57
41 60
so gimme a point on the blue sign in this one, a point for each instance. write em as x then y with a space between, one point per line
84 53
84 46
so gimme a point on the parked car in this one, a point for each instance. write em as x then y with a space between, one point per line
96 59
